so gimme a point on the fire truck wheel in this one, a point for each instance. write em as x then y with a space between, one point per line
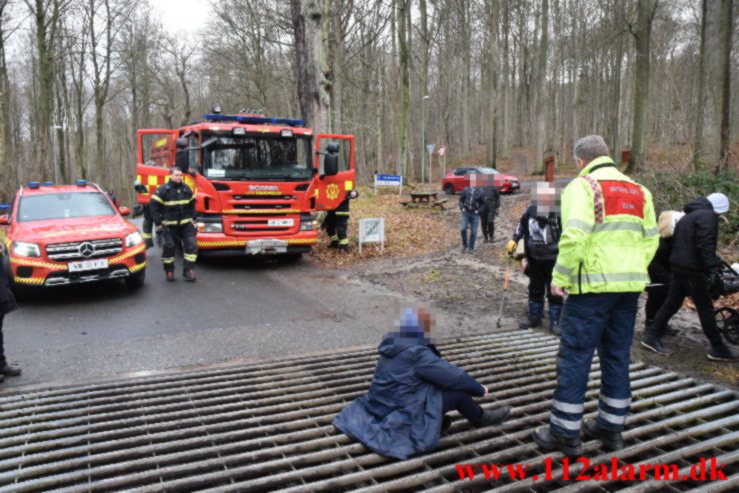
135 281
290 258
727 320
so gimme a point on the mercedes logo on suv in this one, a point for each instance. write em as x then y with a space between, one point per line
86 249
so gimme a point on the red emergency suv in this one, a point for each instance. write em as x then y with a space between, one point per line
68 234
455 180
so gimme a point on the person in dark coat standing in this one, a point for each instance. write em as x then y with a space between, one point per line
489 210
540 227
7 305
471 201
413 388
660 273
696 274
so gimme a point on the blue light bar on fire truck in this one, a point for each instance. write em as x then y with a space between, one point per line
33 184
253 120
4 206
81 183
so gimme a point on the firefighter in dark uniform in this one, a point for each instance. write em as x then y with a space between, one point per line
173 210
148 227
336 223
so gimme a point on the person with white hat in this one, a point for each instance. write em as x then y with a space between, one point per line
696 274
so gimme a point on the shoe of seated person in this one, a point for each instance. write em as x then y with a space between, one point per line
492 418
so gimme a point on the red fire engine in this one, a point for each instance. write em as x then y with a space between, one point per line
257 180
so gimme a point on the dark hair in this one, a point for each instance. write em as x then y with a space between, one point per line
173 169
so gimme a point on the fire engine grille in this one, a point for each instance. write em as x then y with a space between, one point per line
266 426
66 252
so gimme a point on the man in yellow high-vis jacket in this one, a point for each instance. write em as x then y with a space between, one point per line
609 237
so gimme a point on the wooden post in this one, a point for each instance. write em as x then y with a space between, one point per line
549 168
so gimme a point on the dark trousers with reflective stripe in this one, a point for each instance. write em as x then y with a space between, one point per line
602 321
171 236
696 286
336 223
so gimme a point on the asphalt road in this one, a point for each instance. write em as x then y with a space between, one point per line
239 308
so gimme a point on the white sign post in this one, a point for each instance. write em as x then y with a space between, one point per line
389 181
442 152
372 230
430 148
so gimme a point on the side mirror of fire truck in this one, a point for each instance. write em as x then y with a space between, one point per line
4 219
330 164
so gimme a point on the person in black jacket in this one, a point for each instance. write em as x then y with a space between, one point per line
7 305
696 274
540 227
488 211
471 200
336 223
173 212
660 273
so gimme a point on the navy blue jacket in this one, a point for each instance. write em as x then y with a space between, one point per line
401 415
472 199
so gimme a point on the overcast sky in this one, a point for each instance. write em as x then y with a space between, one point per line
182 15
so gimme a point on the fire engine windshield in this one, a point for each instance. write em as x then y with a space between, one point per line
63 205
257 158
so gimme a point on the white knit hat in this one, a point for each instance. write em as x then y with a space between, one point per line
719 201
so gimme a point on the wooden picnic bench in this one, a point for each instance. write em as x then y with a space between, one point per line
419 197
440 203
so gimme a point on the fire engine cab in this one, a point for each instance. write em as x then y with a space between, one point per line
65 234
257 181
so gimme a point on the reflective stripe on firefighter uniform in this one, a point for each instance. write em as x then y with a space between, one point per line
608 240
336 223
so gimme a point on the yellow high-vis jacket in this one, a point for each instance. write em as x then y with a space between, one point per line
610 232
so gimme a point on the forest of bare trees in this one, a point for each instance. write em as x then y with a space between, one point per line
485 77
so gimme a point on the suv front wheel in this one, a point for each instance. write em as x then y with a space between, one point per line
135 281
449 189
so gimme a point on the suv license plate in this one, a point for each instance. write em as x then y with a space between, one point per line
83 265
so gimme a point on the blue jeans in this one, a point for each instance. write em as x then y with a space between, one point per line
595 320
471 219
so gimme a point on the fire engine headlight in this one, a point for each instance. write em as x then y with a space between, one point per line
309 225
26 249
204 227
134 239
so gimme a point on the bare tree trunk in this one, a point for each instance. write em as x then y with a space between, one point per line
541 88
404 59
313 93
493 74
702 93
616 108
505 140
727 33
643 34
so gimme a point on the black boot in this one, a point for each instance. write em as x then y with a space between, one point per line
612 440
719 353
547 440
189 275
651 341
536 312
555 312
9 371
492 418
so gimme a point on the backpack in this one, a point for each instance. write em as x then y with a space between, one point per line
544 235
